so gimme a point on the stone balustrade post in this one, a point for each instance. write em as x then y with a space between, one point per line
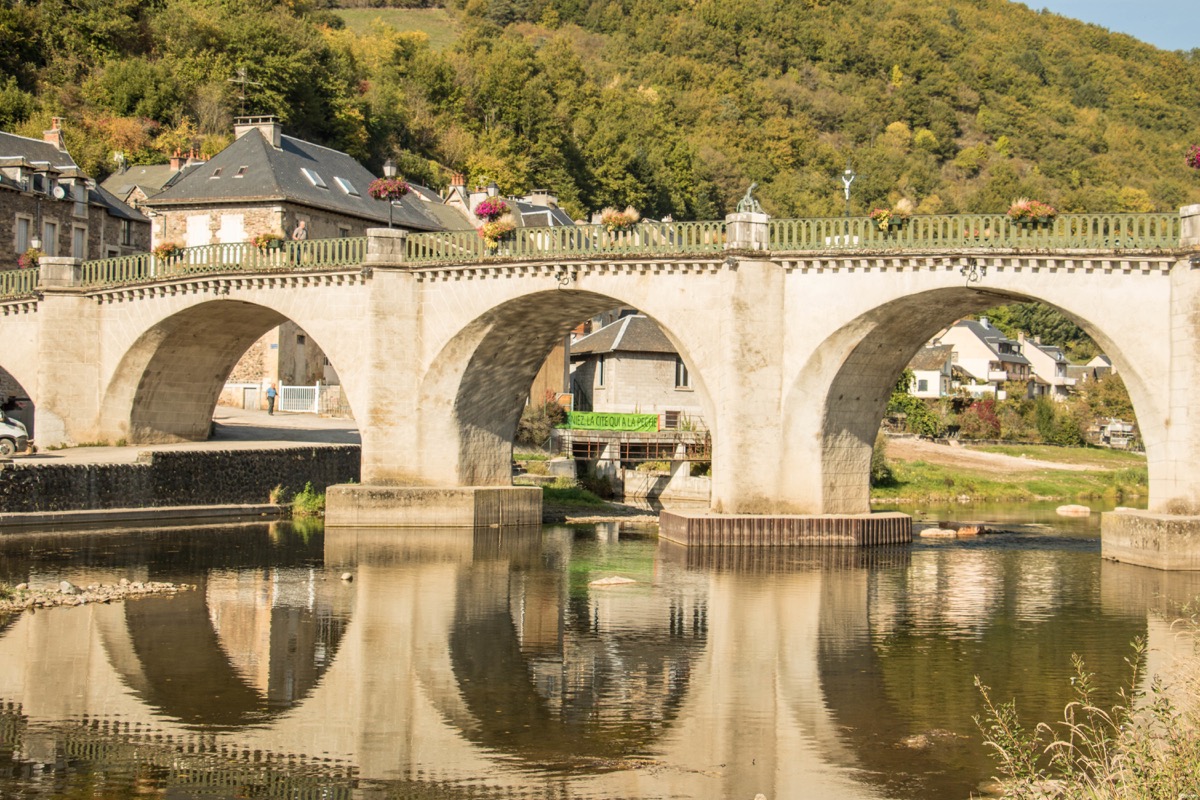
55 272
386 247
747 230
1189 229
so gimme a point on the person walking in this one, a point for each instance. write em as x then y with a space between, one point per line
271 395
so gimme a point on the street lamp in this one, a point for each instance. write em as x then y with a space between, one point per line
389 171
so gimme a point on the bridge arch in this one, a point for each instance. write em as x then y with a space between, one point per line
165 384
474 390
829 437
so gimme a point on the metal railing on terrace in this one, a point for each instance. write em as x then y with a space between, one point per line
921 232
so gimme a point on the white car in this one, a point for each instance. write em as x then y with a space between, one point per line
13 436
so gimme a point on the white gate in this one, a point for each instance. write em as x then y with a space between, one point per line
302 399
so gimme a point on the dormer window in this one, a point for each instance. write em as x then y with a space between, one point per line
313 178
216 173
241 172
346 186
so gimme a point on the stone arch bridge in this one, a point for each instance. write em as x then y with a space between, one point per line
794 332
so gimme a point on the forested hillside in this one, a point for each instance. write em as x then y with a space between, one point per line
672 106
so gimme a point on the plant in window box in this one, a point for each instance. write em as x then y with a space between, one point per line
615 221
29 259
1031 212
267 241
168 251
493 232
491 209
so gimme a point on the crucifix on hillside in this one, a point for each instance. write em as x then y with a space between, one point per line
243 81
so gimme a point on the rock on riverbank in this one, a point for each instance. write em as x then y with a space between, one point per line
67 594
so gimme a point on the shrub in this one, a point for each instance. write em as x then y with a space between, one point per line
979 421
881 472
538 420
308 502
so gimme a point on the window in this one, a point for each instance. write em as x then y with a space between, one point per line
922 385
301 338
81 206
127 232
50 238
313 178
241 173
24 233
346 186
683 380
216 173
671 420
78 242
343 232
600 372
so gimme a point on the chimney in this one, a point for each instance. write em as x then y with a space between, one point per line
270 128
476 197
54 136
458 181
983 321
177 161
542 197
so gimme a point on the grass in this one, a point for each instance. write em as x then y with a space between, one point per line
308 502
918 481
1099 457
437 23
1146 746
566 492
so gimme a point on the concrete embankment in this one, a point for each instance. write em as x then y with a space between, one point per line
170 479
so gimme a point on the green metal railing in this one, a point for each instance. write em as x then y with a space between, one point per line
568 241
18 282
924 232
221 258
1066 231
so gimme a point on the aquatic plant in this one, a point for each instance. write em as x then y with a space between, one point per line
308 502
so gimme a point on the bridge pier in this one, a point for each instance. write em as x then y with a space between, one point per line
68 360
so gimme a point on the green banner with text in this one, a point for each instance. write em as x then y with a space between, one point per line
601 421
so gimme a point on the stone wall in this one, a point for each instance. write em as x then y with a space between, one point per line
174 478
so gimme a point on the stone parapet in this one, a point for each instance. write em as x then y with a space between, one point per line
1161 541
386 247
377 506
747 230
755 530
59 273
1189 229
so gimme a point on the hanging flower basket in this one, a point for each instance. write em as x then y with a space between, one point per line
1193 156
614 220
491 209
168 251
1024 211
29 259
493 232
267 241
888 219
387 188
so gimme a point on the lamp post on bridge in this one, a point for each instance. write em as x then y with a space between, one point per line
848 177
389 171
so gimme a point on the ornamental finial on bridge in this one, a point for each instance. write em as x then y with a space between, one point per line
748 203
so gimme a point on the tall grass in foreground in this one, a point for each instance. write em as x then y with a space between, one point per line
1147 747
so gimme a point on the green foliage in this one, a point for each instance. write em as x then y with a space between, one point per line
1050 324
881 472
1144 746
308 502
537 421
7 592
919 418
566 492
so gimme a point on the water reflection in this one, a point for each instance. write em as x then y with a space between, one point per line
493 664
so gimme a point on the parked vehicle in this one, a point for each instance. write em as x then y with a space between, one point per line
13 436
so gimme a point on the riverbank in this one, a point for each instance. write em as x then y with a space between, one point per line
928 472
22 597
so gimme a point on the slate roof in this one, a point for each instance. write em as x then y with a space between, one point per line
537 216
251 170
36 151
931 358
632 334
992 337
150 178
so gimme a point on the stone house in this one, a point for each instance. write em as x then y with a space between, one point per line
629 366
932 372
48 204
985 354
266 182
134 185
539 209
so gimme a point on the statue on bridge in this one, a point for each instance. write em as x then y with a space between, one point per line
748 203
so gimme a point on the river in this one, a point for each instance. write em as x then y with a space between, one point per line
490 664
